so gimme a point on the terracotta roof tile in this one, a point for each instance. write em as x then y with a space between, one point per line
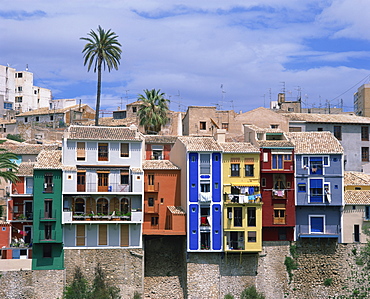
160 139
327 118
238 147
357 197
355 178
27 149
49 160
103 133
275 143
200 144
176 210
26 169
315 143
159 165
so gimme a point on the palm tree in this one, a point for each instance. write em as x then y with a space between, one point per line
11 167
102 48
153 110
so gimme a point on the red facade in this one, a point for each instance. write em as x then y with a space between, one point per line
157 152
277 188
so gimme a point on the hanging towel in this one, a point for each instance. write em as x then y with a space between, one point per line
251 190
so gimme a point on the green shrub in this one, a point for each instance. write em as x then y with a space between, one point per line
137 295
229 296
16 137
290 265
251 293
328 282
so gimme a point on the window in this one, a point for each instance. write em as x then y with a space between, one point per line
274 126
125 177
238 217
157 152
81 181
338 132
263 182
317 224
150 179
51 117
79 206
81 154
367 212
125 205
225 126
202 125
26 119
251 216
80 235
316 164
134 109
288 157
356 233
18 99
205 166
48 208
205 241
279 213
320 129
18 75
37 118
154 221
125 150
252 237
103 234
205 187
103 181
301 187
48 230
249 170
102 151
19 88
46 250
151 202
48 183
365 133
316 190
277 162
364 154
235 169
102 206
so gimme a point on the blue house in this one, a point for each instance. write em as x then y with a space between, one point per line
319 185
200 161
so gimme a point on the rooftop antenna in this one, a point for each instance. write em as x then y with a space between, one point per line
283 88
126 98
222 95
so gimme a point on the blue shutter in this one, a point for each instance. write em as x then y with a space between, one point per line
216 177
193 227
216 227
193 177
316 190
280 161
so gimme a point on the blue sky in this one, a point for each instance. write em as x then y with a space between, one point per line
189 49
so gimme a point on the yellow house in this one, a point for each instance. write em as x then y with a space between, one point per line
242 203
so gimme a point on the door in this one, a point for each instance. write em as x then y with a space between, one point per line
81 181
356 233
28 236
103 182
317 224
28 210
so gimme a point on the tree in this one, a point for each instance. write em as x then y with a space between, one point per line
101 289
79 288
153 110
10 166
102 48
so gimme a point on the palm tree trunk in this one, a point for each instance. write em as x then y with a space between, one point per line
98 92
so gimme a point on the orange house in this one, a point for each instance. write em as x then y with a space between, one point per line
163 214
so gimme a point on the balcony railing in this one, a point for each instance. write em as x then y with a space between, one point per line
23 217
242 199
114 187
135 216
47 215
151 188
47 236
328 230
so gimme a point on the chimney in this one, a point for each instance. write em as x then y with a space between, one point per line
220 135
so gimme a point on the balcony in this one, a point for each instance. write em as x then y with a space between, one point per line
151 209
47 236
22 217
94 187
151 188
329 231
242 199
47 215
134 215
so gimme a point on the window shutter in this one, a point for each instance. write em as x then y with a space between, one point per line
80 235
103 234
81 150
124 235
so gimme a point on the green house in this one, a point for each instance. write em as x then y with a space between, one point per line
47 246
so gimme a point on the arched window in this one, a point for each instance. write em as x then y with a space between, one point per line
79 206
125 205
102 206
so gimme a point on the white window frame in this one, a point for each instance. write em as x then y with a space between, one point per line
129 150
309 190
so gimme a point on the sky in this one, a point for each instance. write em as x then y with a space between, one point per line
230 54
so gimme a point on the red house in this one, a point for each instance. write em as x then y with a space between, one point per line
277 182
163 214
158 147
